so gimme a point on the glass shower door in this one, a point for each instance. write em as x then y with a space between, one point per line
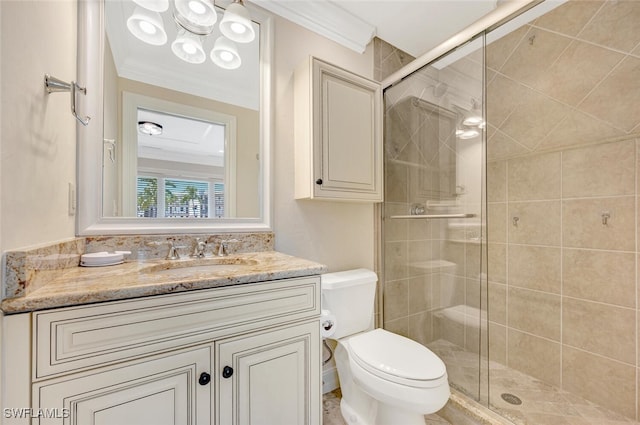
433 230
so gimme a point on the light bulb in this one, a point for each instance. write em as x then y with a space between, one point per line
147 27
197 7
238 28
226 56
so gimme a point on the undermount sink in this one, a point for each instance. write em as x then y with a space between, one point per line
201 265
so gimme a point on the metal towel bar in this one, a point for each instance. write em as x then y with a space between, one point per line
55 85
433 216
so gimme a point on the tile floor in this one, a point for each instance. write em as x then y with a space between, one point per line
542 404
331 412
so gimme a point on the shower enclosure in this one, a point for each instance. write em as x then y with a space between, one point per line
510 221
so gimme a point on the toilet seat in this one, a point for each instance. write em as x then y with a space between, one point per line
397 359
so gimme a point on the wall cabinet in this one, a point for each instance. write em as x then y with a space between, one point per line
338 134
246 354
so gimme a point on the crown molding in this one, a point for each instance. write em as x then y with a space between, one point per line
326 19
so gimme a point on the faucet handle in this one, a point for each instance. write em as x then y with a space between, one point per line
223 250
198 248
172 254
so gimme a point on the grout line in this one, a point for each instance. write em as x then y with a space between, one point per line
561 270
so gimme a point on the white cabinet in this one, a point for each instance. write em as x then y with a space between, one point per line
267 378
162 390
246 354
338 134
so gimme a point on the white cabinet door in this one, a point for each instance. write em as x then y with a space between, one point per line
270 378
162 390
338 130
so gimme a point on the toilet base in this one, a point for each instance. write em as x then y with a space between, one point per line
383 415
389 415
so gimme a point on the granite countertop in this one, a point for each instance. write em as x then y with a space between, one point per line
84 285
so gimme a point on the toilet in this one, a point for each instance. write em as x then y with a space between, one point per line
385 378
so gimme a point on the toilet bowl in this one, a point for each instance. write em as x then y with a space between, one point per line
386 379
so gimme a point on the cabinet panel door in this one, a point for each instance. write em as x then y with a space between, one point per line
350 135
163 390
276 377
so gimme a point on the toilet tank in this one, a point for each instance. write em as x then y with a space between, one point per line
350 297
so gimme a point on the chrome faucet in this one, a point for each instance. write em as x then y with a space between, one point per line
223 249
198 248
172 253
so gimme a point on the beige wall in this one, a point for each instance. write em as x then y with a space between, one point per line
37 138
339 235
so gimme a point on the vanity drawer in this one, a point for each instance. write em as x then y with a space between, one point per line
76 338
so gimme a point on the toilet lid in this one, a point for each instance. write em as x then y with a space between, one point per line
386 353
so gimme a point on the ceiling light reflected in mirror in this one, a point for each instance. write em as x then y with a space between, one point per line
195 20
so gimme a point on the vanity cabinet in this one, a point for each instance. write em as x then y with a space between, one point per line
338 134
244 354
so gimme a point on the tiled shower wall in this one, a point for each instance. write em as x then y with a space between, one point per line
564 121
562 223
562 230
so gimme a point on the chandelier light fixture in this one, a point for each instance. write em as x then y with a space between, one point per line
195 21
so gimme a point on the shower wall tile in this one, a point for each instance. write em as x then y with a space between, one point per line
534 178
504 95
497 225
538 223
612 384
582 225
395 260
615 99
396 186
535 267
533 55
576 129
418 252
420 327
472 261
534 312
534 118
615 26
570 17
498 343
396 299
395 230
397 326
420 294
497 262
497 181
577 71
599 170
497 303
535 356
500 146
604 276
502 48
419 229
600 328
472 297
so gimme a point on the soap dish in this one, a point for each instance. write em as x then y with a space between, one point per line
100 259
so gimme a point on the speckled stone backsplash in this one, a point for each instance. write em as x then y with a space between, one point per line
20 269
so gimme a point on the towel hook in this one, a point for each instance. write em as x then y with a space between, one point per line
55 85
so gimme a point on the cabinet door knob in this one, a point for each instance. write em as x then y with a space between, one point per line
319 181
227 372
204 379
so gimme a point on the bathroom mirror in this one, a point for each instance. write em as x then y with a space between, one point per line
172 146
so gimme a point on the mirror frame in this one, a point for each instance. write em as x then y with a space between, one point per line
89 220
